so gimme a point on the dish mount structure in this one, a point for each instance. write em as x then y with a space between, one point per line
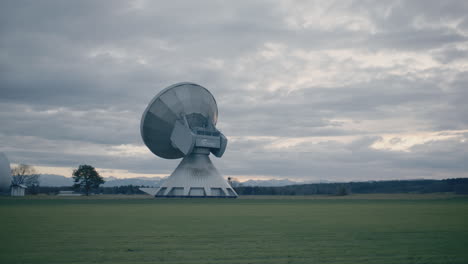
180 122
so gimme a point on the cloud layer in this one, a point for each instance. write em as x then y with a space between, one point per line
306 90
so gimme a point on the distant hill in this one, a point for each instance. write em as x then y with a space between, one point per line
274 183
142 181
53 180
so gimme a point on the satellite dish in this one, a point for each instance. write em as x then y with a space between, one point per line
180 122
5 173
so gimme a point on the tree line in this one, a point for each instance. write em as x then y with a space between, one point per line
126 189
87 180
458 186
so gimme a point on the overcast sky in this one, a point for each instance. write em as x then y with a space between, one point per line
306 90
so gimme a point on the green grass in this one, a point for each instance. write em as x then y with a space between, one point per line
357 229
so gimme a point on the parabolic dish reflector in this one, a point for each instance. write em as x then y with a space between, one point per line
157 122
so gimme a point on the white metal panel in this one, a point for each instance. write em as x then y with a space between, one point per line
197 170
150 191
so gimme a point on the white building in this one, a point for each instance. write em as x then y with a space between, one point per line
18 190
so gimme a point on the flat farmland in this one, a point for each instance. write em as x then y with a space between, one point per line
121 229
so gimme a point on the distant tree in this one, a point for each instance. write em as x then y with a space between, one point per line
86 178
25 175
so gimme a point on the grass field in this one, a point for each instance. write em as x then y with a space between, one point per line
355 229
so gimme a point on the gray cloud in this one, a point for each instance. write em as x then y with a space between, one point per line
338 77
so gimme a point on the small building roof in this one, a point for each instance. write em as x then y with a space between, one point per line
19 186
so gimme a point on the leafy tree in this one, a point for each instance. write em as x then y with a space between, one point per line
86 178
25 175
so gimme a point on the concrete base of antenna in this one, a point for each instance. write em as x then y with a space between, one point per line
196 176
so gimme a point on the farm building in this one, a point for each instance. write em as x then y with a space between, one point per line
18 190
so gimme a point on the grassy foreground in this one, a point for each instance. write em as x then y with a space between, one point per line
429 229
